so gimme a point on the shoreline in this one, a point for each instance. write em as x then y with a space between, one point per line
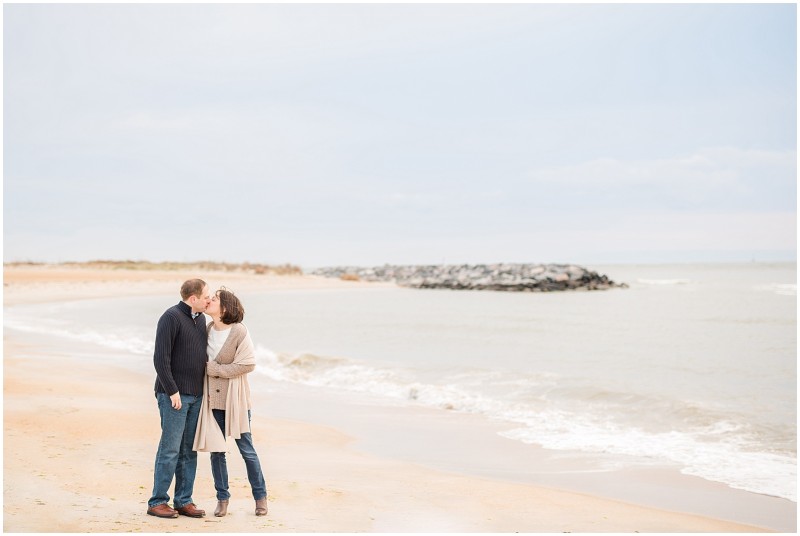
324 474
48 283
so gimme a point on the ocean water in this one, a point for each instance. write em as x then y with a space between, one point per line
693 365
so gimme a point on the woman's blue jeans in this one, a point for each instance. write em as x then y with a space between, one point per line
219 467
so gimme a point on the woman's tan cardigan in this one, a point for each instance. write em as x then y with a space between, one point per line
222 368
237 350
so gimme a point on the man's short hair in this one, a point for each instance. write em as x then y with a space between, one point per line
192 287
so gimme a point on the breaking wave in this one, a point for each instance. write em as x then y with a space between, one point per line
704 442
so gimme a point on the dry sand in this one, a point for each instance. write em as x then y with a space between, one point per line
80 441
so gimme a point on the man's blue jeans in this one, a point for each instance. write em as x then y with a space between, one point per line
175 456
219 467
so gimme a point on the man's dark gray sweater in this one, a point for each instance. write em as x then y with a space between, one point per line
180 354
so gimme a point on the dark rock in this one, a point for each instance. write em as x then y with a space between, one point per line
497 277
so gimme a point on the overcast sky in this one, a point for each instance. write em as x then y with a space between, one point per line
407 133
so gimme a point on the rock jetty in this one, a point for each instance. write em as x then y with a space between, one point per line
504 277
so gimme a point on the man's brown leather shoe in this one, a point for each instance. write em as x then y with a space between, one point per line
191 510
162 510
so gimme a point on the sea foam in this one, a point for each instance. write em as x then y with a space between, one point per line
710 447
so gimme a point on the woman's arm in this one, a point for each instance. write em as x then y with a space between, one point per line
243 359
231 370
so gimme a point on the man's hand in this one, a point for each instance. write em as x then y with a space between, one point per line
176 400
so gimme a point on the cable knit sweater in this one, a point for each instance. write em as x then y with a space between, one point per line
222 368
180 352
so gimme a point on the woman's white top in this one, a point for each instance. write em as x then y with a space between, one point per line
215 341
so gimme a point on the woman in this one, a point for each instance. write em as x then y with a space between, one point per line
226 401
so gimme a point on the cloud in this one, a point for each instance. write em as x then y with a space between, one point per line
149 121
712 177
479 132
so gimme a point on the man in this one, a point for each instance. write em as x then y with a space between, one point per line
180 361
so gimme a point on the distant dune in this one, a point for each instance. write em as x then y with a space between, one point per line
282 269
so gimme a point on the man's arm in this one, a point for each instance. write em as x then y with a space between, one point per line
162 357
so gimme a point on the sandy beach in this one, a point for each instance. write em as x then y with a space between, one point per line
80 434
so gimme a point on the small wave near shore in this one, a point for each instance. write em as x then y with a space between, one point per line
556 415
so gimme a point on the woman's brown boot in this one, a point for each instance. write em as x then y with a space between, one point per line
222 508
261 507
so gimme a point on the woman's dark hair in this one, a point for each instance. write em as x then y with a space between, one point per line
230 306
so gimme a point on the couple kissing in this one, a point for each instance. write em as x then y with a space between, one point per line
203 399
